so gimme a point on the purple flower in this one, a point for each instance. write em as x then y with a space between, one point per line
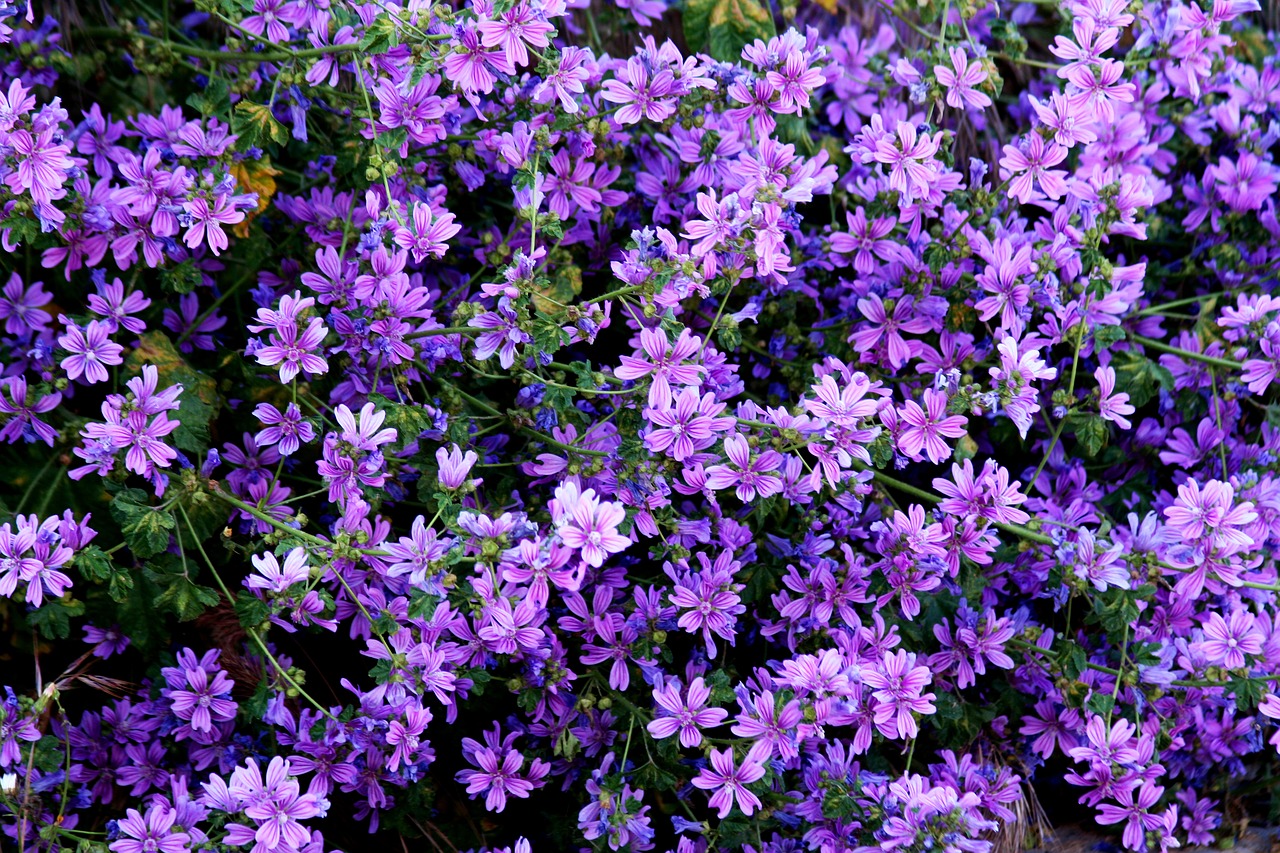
688 716
275 804
1022 167
1112 406
429 235
23 421
498 776
406 737
664 364
91 351
207 221
1209 514
503 334
688 426
1135 811
111 303
750 476
898 687
924 428
1226 642
641 95
729 782
142 441
272 577
960 80
295 352
43 164
106 642
455 466
910 158
590 525
199 693
21 306
152 834
287 431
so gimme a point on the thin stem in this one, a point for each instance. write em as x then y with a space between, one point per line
1188 354
285 528
253 632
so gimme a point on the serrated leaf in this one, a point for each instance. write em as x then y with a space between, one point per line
252 610
22 229
256 126
697 23
179 593
380 36
1107 335
1101 703
181 279
53 618
213 99
199 401
1092 435
95 564
145 528
259 178
204 515
734 24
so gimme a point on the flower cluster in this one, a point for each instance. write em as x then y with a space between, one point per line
512 425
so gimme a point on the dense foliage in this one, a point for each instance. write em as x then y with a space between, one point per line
557 425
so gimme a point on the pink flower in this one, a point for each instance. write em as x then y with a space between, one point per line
688 716
429 235
1208 514
591 525
961 81
910 158
898 690
664 364
924 428
1023 167
207 222
1113 407
729 782
749 476
1226 642
640 95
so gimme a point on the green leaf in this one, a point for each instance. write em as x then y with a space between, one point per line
409 420
256 126
181 279
548 337
252 610
96 565
394 138
213 99
179 593
697 23
1105 336
53 618
205 515
199 402
381 36
22 229
734 24
145 529
1092 435
1100 703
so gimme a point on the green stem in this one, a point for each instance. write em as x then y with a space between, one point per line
1188 354
285 528
253 632
448 330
